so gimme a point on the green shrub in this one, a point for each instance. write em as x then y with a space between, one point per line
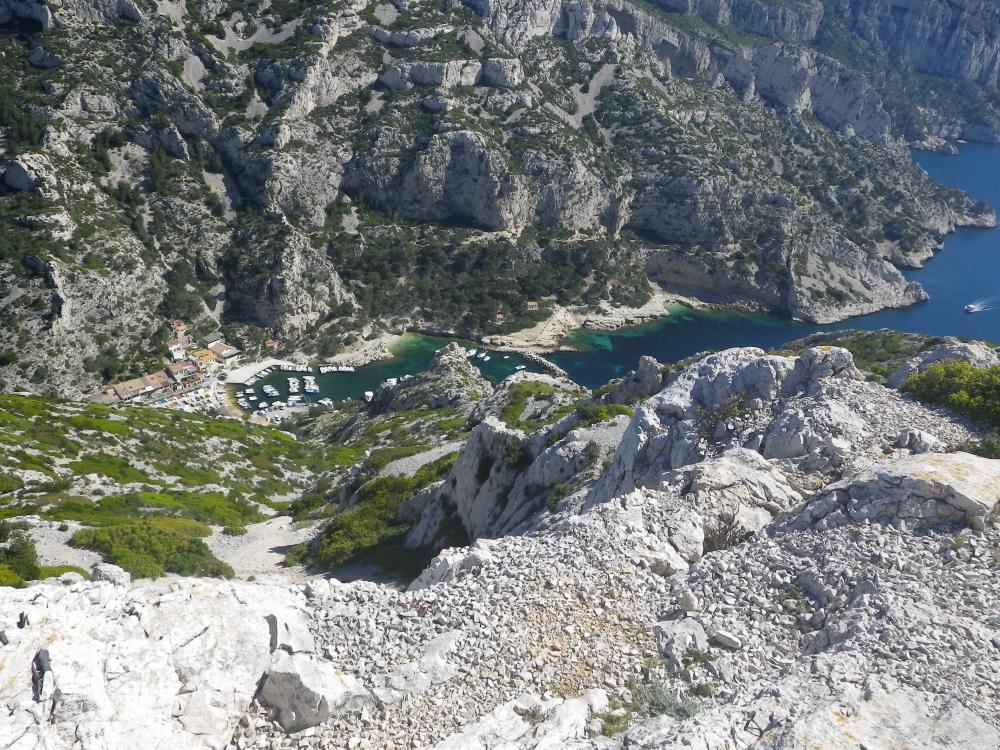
969 390
592 412
9 578
112 426
54 571
655 700
205 507
7 528
148 550
115 467
988 447
365 525
520 395
9 483
20 556
369 528
234 530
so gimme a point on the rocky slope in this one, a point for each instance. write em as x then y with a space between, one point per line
778 554
306 171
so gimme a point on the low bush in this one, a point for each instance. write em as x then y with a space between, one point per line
9 578
593 412
988 447
204 507
148 550
655 700
969 390
115 467
111 426
234 530
7 528
520 395
9 483
369 529
54 571
20 556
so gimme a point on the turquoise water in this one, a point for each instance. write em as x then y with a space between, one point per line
967 270
412 354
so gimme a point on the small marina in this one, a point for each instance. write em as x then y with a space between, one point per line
280 389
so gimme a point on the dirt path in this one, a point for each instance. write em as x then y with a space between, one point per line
261 550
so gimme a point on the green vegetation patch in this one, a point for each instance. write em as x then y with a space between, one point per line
369 530
117 468
593 412
148 550
972 391
205 507
969 390
521 395
112 426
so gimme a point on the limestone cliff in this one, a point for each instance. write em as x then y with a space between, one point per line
306 171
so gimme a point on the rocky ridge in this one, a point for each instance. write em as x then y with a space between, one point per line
722 581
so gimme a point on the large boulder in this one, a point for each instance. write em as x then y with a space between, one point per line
301 691
937 489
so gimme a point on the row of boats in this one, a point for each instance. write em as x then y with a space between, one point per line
249 401
482 355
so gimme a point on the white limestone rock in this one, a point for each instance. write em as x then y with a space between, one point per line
155 664
301 691
924 490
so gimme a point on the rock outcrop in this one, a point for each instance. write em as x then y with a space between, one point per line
109 665
449 380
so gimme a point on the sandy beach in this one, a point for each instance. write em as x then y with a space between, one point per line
364 352
548 335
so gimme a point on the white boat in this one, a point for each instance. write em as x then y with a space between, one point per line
971 308
369 395
486 359
520 367
471 353
506 356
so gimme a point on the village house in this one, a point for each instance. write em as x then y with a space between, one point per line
531 304
183 370
129 389
223 350
205 358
